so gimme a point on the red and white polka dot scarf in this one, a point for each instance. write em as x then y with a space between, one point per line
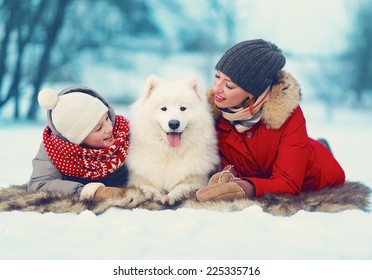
76 161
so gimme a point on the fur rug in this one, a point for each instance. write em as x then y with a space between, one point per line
351 195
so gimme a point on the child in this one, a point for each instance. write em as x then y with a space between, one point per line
84 146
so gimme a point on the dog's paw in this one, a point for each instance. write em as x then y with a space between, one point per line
152 194
166 199
156 196
134 197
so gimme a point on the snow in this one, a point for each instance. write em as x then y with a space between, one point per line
191 233
186 234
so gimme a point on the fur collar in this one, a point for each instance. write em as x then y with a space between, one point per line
284 99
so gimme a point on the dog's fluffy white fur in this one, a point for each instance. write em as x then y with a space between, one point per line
173 145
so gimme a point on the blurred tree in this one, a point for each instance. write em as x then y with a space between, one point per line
52 29
137 19
10 11
206 28
22 19
358 57
347 76
212 29
101 28
56 41
24 31
40 40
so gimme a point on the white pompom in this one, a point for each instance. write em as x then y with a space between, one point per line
47 98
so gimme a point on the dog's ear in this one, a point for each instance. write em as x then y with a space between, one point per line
151 83
194 83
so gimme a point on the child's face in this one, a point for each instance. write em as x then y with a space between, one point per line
101 136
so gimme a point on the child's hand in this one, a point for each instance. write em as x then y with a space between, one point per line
104 193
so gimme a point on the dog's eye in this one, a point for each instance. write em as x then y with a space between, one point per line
163 109
183 108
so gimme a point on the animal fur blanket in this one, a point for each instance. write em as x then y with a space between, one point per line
350 195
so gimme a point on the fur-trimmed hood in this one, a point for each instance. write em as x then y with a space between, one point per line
284 99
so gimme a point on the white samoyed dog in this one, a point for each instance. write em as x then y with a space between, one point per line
173 144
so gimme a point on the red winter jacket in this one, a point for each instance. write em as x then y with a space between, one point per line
277 155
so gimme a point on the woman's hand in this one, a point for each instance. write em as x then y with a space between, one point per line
224 176
235 189
225 185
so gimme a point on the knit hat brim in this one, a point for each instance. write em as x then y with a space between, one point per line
252 65
85 121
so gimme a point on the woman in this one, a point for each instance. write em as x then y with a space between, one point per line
261 128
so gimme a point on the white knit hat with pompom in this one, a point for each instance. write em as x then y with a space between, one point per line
74 114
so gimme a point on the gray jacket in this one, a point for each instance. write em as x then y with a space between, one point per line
45 176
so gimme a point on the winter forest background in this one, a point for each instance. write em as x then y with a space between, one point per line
112 46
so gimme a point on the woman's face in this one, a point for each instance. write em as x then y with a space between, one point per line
101 136
226 93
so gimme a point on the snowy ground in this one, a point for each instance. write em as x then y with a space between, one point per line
192 234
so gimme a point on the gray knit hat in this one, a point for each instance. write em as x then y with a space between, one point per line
252 65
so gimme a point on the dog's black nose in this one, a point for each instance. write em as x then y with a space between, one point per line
173 124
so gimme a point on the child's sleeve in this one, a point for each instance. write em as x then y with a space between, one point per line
45 176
